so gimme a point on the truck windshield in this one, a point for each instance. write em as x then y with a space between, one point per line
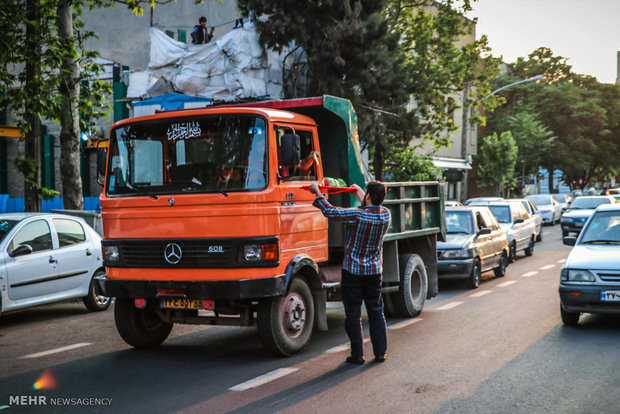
222 153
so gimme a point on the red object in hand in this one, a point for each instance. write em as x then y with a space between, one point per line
332 190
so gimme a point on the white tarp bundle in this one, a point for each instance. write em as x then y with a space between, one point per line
232 67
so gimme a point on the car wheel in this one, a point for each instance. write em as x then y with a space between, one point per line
94 302
285 322
569 318
539 235
140 328
530 247
474 278
500 270
512 253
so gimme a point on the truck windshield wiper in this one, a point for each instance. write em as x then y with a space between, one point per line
136 189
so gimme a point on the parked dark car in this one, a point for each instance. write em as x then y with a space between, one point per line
475 243
579 211
590 278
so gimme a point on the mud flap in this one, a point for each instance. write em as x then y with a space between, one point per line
319 296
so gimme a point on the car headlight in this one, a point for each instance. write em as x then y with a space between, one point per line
566 220
455 254
579 276
259 252
111 253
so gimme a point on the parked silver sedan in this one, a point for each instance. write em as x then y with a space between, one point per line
535 214
590 278
549 207
47 258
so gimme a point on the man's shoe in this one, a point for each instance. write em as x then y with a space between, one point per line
381 358
356 360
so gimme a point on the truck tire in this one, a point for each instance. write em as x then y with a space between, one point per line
409 300
140 328
94 302
285 322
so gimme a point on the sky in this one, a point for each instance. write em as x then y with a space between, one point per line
587 32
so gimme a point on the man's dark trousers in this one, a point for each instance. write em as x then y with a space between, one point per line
366 288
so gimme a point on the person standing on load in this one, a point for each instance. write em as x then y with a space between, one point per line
362 271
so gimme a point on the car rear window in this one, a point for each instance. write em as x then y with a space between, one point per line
69 232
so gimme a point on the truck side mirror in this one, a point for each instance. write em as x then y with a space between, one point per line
290 151
102 155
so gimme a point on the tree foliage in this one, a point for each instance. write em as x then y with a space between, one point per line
405 165
399 62
581 113
498 157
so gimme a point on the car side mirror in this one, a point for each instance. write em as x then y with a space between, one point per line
290 151
483 231
569 240
519 220
22 250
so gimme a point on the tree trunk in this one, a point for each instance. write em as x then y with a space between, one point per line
378 163
32 86
69 117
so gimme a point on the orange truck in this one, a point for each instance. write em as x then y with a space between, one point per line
207 220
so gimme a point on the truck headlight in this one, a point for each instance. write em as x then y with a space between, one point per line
455 254
111 253
580 276
259 252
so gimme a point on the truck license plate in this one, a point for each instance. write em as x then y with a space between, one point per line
181 304
610 296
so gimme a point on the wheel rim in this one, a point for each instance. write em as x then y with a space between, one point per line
416 285
102 300
477 274
294 315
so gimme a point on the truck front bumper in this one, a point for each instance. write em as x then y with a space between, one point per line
204 290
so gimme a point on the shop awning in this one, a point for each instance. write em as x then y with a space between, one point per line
451 163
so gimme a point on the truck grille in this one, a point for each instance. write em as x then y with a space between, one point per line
194 253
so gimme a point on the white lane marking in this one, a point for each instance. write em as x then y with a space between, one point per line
57 350
449 305
481 293
402 324
336 349
561 261
510 282
263 379
530 274
547 267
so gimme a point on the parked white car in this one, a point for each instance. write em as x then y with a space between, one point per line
549 207
517 223
47 258
535 213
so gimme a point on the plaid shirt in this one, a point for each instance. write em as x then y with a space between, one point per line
364 249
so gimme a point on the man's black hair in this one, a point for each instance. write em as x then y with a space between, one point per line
376 190
202 19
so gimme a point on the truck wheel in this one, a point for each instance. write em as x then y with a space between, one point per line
285 322
140 328
569 318
500 271
476 274
94 302
409 300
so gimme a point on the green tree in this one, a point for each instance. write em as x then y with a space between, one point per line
379 54
497 158
405 165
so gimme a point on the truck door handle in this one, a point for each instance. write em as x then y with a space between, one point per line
53 260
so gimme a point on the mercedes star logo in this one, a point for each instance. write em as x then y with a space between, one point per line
173 253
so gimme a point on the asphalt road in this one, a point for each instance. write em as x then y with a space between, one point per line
500 348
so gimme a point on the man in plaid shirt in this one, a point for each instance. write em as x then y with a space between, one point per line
362 267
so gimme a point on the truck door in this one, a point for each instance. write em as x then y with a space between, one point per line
303 227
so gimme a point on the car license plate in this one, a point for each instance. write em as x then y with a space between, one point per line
181 304
610 296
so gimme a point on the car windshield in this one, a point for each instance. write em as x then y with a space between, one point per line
459 222
6 226
196 154
604 228
588 202
501 213
540 200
